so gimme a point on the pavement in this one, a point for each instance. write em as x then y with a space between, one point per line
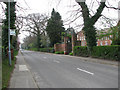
22 77
45 70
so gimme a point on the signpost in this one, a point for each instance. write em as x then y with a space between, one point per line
12 32
9 33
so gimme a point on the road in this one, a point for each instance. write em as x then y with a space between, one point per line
59 71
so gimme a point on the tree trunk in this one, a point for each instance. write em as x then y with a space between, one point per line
38 41
89 29
90 34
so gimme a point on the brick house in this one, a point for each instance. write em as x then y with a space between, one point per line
100 42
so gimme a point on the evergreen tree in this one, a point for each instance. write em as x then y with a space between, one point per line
5 25
55 28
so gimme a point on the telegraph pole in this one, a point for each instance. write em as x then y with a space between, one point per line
9 52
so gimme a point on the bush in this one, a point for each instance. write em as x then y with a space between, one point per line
107 52
59 52
50 50
71 54
33 49
81 51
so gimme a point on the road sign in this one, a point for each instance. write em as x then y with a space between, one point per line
12 32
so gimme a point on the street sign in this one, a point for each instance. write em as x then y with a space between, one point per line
12 32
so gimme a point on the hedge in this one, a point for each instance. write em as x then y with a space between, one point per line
106 52
50 50
59 52
80 51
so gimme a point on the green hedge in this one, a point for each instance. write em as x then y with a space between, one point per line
33 49
80 51
107 52
59 52
50 50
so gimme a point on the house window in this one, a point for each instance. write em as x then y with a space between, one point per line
100 43
97 43
106 38
111 42
106 43
80 38
77 36
84 37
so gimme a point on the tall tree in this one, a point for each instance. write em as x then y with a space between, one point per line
36 24
55 28
89 21
5 24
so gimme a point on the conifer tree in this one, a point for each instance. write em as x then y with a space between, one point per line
55 28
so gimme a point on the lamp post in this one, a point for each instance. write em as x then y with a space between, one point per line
9 52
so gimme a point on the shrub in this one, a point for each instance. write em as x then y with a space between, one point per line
50 50
56 52
71 54
59 52
81 51
33 49
106 52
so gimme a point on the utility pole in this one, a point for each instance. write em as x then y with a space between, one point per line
9 33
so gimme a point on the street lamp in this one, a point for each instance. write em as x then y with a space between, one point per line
9 52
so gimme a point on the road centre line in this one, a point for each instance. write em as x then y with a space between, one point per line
44 57
56 61
85 71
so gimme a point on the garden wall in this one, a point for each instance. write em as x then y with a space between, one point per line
59 47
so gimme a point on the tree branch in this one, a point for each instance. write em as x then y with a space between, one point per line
85 11
98 13
112 7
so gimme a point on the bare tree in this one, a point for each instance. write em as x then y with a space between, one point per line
36 24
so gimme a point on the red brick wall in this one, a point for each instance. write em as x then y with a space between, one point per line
59 47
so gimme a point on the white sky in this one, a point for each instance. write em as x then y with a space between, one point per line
65 8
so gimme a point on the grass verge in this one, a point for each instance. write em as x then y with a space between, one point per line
7 70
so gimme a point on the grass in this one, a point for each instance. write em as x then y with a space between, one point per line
7 70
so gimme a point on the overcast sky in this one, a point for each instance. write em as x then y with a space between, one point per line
65 8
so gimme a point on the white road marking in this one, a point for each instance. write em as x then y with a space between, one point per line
85 71
44 57
56 61
23 68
